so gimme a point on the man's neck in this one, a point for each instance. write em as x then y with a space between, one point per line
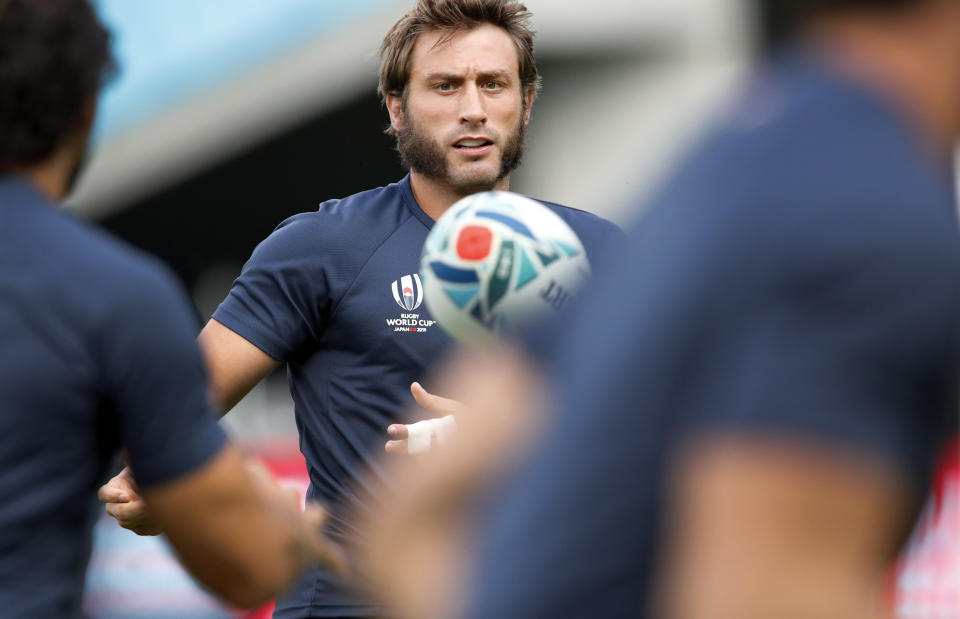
897 62
46 180
435 197
53 177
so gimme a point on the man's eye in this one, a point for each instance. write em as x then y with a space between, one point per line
445 86
491 85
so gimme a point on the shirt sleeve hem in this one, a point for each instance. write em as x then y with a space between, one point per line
207 447
252 333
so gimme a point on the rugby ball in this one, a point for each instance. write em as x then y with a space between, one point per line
496 262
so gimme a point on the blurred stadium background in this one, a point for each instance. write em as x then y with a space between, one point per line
227 116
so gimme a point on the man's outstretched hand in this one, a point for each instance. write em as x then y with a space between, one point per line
439 424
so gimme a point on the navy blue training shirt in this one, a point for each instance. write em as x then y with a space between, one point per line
98 352
318 294
799 276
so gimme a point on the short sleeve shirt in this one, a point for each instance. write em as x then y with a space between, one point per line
323 294
98 353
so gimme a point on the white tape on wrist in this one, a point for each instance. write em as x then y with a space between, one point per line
421 436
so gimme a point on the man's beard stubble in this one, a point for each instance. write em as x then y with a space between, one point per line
420 153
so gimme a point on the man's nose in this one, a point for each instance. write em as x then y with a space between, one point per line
472 110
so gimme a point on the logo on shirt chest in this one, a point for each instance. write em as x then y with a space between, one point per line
408 293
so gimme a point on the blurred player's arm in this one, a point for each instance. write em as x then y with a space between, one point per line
425 520
234 366
776 529
237 532
795 491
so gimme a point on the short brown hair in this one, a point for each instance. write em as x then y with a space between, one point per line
396 50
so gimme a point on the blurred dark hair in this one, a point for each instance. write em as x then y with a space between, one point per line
54 55
781 19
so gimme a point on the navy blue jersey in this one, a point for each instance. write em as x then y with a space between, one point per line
98 352
798 276
323 294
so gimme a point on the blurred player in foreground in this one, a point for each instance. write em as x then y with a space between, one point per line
334 293
747 407
98 352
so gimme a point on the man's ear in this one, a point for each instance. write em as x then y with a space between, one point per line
528 101
395 109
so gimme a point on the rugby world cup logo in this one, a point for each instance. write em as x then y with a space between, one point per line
408 292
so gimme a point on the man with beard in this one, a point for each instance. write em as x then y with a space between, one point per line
458 79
